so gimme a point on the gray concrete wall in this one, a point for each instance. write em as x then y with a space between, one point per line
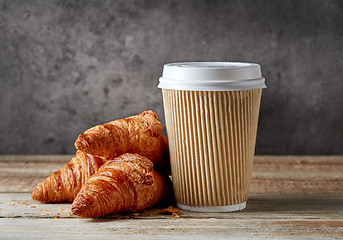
68 65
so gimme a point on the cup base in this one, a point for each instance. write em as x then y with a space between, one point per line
229 208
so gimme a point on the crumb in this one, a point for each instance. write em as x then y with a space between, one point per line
71 214
57 216
120 217
33 207
0 208
174 211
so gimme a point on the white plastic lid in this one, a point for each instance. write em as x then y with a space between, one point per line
212 76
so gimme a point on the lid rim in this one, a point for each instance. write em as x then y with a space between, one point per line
242 64
182 81
207 76
215 89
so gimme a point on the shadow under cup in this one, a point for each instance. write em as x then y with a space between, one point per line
211 127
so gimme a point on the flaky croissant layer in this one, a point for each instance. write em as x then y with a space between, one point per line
127 183
137 134
141 134
64 184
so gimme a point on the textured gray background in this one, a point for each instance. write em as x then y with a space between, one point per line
68 65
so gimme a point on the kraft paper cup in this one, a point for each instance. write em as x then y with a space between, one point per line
211 113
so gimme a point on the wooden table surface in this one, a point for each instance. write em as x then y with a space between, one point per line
292 197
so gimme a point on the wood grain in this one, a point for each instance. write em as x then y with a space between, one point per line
266 216
291 197
271 174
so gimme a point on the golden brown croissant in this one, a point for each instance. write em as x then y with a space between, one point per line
126 184
64 184
139 134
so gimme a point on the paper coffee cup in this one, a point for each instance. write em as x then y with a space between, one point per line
211 113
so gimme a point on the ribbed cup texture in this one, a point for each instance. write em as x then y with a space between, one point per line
212 138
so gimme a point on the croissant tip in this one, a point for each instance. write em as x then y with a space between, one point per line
37 195
80 211
76 211
81 143
149 112
34 195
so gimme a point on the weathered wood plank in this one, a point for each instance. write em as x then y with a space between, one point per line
259 206
271 174
171 228
35 158
291 197
21 173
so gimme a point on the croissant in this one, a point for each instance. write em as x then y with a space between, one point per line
127 183
64 184
139 134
